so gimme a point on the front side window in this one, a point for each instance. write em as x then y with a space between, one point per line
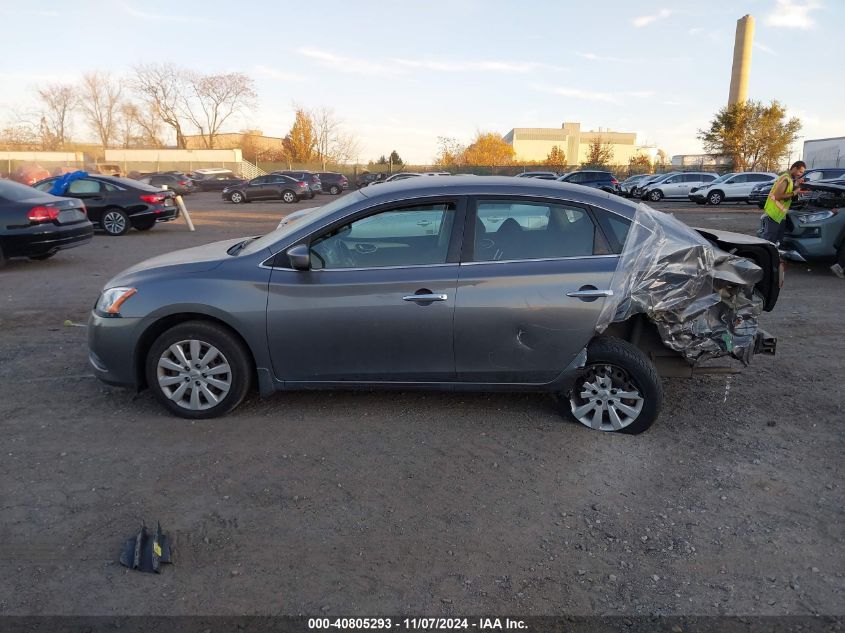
515 230
83 185
411 236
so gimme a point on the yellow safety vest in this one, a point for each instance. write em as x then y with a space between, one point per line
777 209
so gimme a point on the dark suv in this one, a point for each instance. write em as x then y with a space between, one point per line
333 182
595 178
760 192
368 178
311 179
176 182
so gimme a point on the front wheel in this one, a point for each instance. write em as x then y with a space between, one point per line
618 390
655 195
715 198
237 197
198 370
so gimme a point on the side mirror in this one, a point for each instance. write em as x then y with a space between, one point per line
300 257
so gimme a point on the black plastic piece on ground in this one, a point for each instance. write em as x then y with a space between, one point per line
146 552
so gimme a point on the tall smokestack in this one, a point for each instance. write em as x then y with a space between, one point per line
742 59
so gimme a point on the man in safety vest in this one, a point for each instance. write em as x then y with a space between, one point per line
779 201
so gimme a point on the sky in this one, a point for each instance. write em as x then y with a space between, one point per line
400 74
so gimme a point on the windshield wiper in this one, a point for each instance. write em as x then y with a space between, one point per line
237 248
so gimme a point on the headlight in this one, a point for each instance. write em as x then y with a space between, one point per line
808 218
111 299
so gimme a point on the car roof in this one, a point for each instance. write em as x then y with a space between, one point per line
465 185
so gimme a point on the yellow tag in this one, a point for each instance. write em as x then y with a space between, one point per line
157 549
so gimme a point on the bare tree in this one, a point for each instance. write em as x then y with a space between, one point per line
138 127
334 144
99 100
59 101
164 89
215 98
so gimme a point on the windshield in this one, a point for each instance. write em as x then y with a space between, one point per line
723 178
280 233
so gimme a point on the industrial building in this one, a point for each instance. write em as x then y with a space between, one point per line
535 143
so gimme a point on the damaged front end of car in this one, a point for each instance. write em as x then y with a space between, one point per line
704 295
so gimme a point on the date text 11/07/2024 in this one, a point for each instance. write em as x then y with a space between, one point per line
417 623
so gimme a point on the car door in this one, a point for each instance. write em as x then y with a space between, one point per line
377 304
530 288
92 193
739 187
673 186
259 188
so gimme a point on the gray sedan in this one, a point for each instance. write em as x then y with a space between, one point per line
461 283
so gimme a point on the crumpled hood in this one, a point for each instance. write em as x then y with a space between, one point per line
188 260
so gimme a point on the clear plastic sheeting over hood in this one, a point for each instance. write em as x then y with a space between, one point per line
701 298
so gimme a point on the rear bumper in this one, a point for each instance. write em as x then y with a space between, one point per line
45 239
163 214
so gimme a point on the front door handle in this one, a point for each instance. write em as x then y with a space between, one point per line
589 292
425 298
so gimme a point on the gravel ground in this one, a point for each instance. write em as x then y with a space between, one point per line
367 503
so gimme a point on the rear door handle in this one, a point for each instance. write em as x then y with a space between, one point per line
425 298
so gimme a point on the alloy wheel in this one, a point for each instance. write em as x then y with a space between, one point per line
194 374
114 222
237 197
288 197
606 399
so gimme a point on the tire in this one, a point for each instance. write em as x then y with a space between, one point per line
715 198
198 339
614 365
145 225
334 190
41 258
237 197
289 197
115 222
655 195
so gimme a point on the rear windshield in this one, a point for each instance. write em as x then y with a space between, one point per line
16 192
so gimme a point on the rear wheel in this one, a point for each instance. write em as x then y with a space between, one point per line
334 190
115 222
198 370
289 197
618 391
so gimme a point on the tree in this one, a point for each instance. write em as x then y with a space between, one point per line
450 153
382 160
556 158
395 159
752 134
301 142
489 149
213 99
662 160
639 164
334 144
138 126
599 154
163 89
99 100
59 101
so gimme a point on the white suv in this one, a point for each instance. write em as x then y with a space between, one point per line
730 187
675 185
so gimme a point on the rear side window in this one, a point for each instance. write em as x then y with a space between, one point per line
615 228
83 185
517 230
707 178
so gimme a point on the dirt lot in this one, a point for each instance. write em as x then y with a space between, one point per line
366 503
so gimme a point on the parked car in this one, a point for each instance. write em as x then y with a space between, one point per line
179 184
626 187
116 205
312 179
595 178
215 179
542 175
29 174
37 225
817 232
333 183
731 187
637 190
487 284
402 175
675 185
269 187
367 178
760 192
